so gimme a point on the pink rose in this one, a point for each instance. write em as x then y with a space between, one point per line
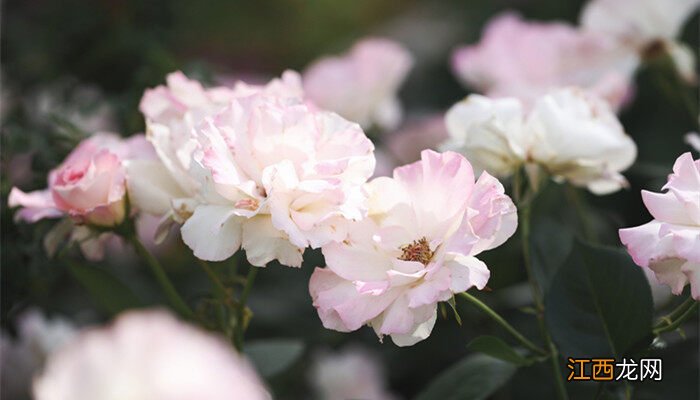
277 176
148 355
516 58
362 84
169 187
89 185
417 247
669 245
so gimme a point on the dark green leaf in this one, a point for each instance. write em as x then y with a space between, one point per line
475 377
272 356
551 243
109 292
495 347
599 303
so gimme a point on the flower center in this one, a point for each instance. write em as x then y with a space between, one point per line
248 204
419 251
73 175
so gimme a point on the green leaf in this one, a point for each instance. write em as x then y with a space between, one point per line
551 242
497 348
109 292
272 356
475 377
599 303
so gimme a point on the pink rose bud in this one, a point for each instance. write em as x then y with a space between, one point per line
89 185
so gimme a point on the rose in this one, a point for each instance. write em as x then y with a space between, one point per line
572 134
416 248
169 186
362 84
148 355
522 59
669 245
276 176
89 185
642 26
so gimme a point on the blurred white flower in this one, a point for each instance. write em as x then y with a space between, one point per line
572 134
351 373
148 355
23 357
693 139
362 84
644 25
638 22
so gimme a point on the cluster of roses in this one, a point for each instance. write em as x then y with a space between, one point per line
263 169
275 169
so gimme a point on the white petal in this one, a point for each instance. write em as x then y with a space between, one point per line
421 332
151 187
213 232
467 272
263 243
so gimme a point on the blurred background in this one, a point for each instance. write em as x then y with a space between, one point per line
73 67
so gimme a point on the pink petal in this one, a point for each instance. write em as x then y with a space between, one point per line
36 205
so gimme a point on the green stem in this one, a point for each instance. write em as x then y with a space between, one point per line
682 313
517 185
240 323
496 317
219 288
678 311
525 213
170 292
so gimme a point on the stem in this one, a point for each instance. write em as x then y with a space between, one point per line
517 184
678 311
240 324
219 288
496 317
170 292
681 317
525 212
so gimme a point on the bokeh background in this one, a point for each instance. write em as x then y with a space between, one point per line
76 66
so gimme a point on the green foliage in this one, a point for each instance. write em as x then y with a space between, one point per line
497 348
475 377
111 294
599 303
